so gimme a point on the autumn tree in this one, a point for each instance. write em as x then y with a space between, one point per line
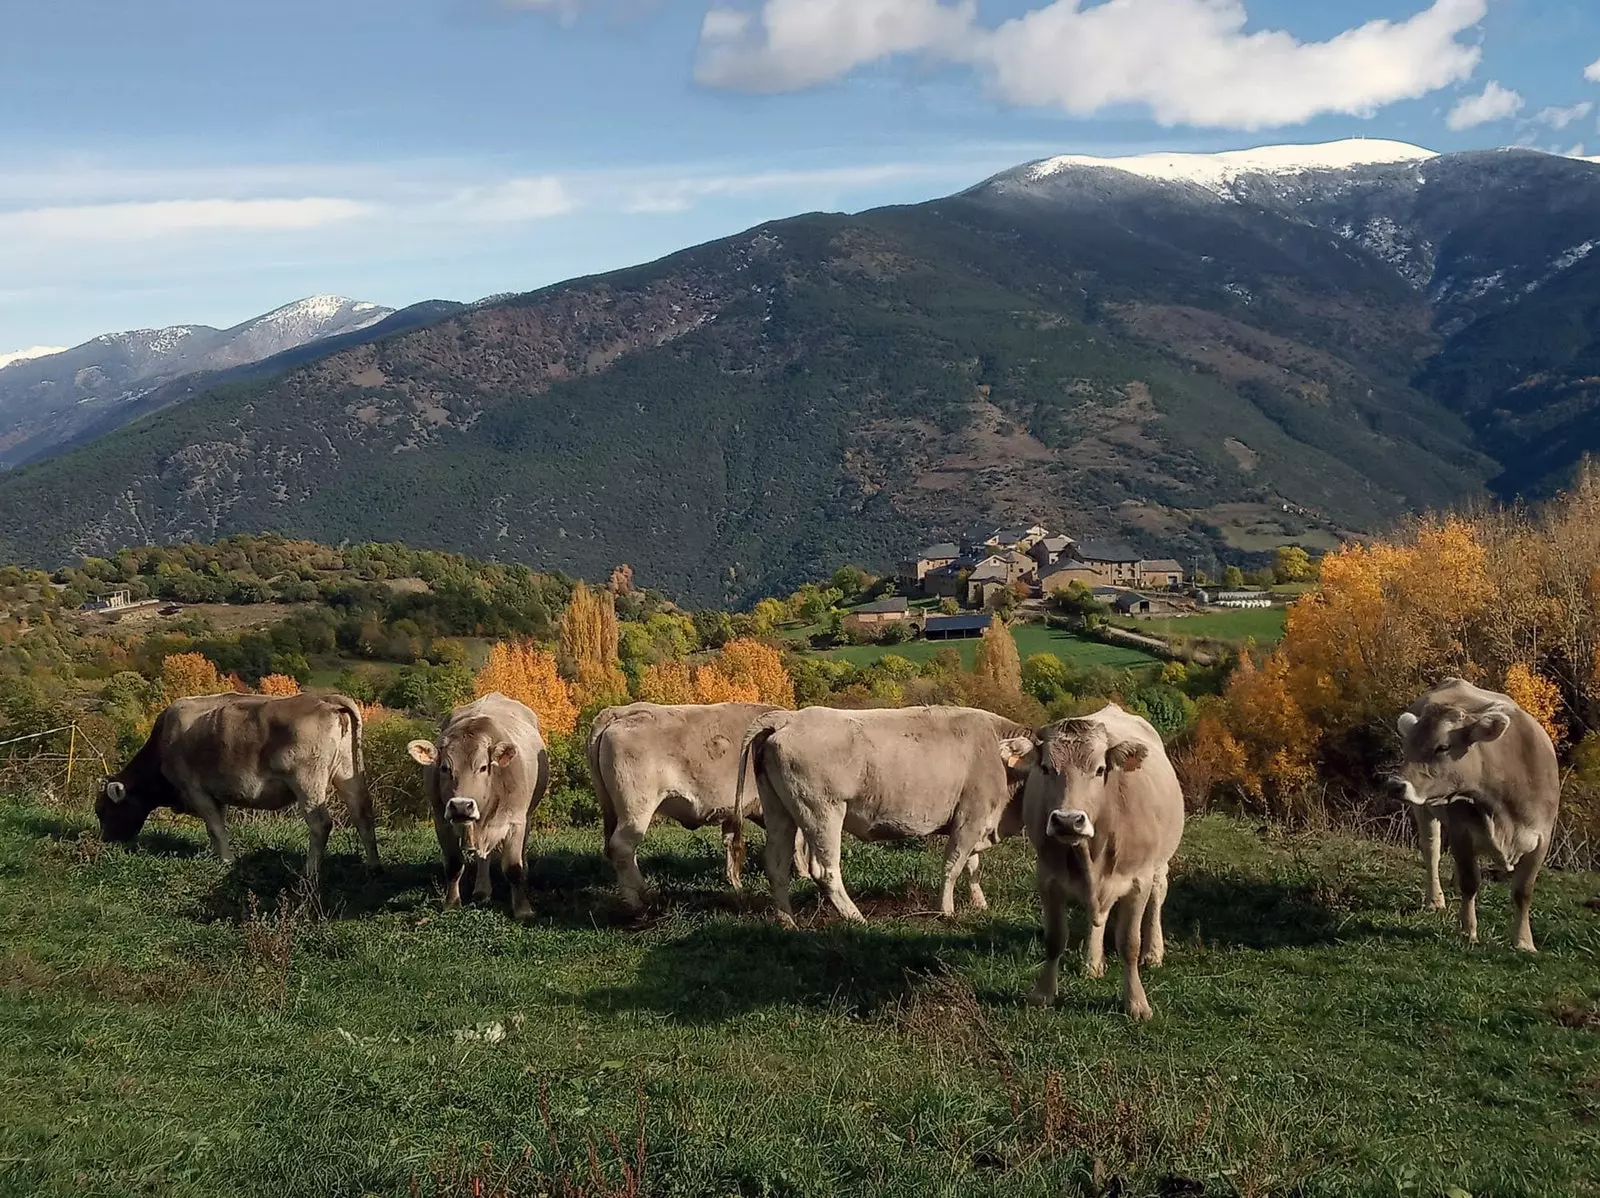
589 646
751 664
998 666
279 686
667 682
622 580
521 670
711 685
1293 564
184 674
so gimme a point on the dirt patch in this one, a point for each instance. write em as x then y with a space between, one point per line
370 377
1241 453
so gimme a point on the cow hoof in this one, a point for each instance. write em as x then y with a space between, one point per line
1040 998
522 914
1095 971
1434 904
1526 947
1140 1011
1153 960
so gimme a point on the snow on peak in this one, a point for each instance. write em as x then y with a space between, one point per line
32 352
1216 171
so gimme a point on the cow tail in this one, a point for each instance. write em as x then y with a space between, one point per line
602 794
755 737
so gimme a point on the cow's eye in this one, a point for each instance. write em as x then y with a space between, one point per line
1101 772
484 768
1441 750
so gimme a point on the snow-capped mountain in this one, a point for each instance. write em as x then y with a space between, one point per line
49 395
27 355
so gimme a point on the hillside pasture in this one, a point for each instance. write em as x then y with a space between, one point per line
1264 625
1030 638
171 1026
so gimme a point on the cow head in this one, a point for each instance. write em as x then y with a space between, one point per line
1441 755
121 809
469 765
1075 765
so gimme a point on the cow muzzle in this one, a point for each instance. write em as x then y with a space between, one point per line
1069 825
462 811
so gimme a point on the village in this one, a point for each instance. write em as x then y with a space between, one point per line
948 591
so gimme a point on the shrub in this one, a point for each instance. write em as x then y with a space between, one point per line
393 779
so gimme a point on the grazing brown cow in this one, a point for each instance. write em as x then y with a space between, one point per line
881 775
1105 813
681 760
1477 761
211 752
484 777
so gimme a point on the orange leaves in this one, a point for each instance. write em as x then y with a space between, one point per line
184 674
279 686
998 666
589 646
746 671
1537 696
522 671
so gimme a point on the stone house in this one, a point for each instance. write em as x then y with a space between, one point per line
873 617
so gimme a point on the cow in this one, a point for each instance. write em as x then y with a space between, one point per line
1104 812
1476 760
881 774
679 760
211 752
484 777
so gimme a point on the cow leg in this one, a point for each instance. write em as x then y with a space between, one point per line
1466 855
513 862
803 860
622 849
959 853
1155 943
974 891
1094 944
214 817
454 864
1130 911
1053 906
1428 827
778 856
825 836
358 802
1522 878
318 824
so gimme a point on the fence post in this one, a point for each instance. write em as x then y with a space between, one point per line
72 752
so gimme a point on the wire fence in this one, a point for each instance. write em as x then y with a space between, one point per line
59 767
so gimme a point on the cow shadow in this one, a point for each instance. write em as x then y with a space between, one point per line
152 842
735 969
1233 911
349 890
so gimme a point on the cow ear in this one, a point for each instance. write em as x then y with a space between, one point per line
1129 755
423 752
116 791
1019 753
1491 725
503 754
1406 723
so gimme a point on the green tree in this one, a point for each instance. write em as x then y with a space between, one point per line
1232 578
1293 564
1044 676
851 581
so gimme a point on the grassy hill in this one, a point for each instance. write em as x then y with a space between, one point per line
163 1031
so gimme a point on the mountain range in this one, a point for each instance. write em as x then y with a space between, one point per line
1207 355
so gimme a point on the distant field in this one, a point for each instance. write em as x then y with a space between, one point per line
1030 638
1264 624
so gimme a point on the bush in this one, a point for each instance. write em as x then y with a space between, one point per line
393 779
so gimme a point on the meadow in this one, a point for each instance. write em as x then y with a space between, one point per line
170 1026
1264 625
1031 638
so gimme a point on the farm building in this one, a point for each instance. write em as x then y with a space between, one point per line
947 628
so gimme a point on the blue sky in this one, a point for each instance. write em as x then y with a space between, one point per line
169 161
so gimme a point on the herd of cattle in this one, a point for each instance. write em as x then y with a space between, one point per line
1096 795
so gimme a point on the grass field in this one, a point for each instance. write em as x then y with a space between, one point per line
1265 624
1030 638
161 1032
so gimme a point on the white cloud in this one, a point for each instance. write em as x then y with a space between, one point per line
1560 118
536 197
1190 62
147 220
797 43
1592 71
1493 103
668 193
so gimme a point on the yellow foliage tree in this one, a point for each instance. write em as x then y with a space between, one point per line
279 686
998 666
184 674
589 646
666 682
521 670
1537 696
711 685
751 665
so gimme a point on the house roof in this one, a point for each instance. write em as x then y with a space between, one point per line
1128 600
891 604
956 623
1077 567
1105 551
992 569
1057 544
1164 564
942 550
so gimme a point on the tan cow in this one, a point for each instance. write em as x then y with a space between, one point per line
881 775
1105 814
484 777
211 752
1477 761
680 760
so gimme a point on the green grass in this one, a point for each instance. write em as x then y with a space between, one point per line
1265 624
1315 1033
1030 638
